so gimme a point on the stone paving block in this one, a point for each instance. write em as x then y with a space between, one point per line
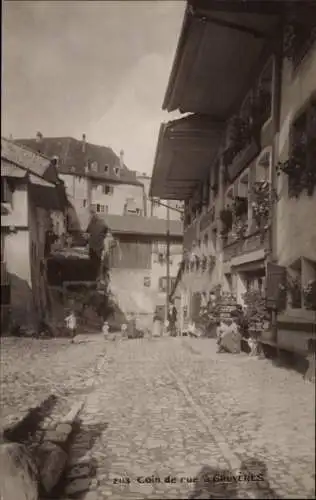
81 470
78 486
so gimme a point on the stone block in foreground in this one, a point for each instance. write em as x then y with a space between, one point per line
51 464
18 473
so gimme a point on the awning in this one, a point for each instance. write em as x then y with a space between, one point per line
185 153
219 51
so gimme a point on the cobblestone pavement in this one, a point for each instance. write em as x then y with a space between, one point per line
173 409
32 369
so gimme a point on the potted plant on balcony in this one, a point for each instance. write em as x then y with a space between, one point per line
256 312
262 198
238 136
301 173
240 228
309 295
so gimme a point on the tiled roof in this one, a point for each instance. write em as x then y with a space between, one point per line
27 159
72 158
9 169
134 224
23 157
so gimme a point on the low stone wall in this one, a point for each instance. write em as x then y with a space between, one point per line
33 470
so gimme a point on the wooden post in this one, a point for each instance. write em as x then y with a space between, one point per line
168 261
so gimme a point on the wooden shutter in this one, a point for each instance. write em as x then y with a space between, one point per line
276 287
196 306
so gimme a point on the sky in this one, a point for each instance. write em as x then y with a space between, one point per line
98 68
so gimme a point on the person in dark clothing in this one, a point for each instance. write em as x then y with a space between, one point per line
172 318
97 231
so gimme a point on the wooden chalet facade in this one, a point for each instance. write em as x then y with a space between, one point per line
246 71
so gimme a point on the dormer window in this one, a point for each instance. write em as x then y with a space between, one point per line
106 169
116 170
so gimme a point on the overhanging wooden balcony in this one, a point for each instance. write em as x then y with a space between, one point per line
251 243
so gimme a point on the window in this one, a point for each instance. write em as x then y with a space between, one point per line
116 170
302 152
263 166
94 166
147 282
107 189
98 208
163 284
262 102
6 191
84 203
106 168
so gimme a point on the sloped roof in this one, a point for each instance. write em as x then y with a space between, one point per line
27 159
151 226
9 169
73 158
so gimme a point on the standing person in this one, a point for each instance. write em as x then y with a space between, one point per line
172 318
71 322
97 231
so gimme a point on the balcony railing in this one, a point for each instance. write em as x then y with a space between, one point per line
251 243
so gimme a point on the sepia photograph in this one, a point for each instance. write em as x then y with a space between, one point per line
158 249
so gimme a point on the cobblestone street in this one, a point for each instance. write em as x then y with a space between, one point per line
173 408
32 369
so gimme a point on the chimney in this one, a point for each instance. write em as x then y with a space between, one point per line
121 158
83 143
39 137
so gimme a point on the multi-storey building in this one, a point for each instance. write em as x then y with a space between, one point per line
93 176
34 207
156 207
244 161
141 269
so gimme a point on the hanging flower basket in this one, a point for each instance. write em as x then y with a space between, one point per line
309 295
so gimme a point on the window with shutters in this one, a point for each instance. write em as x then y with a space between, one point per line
163 284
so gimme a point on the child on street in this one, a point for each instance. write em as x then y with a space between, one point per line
71 323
